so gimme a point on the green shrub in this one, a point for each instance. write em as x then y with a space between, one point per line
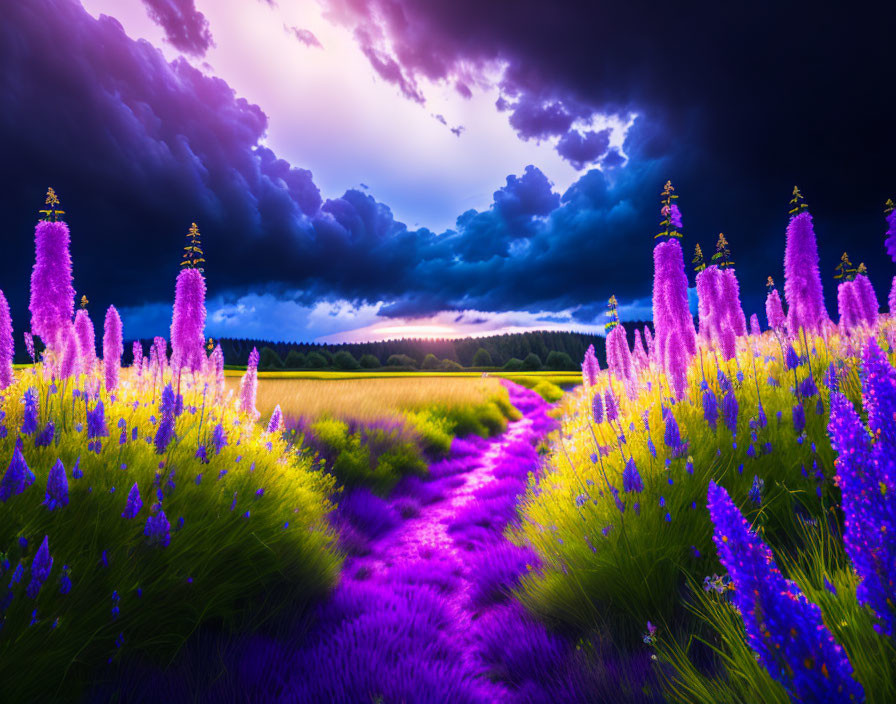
449 365
400 360
549 391
368 361
344 360
430 361
532 362
295 360
513 365
315 360
482 358
559 360
269 359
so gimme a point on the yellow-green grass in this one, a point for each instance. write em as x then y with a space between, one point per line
559 378
366 398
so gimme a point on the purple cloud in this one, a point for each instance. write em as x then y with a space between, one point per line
534 119
306 36
186 29
583 149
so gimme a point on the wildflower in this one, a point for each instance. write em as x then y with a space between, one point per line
249 385
219 438
29 419
180 523
115 600
65 582
799 418
77 472
581 500
590 367
751 451
104 558
612 409
802 282
57 487
631 478
784 629
158 530
14 478
40 569
6 344
867 479
651 447
198 479
52 294
689 466
792 359
165 431
672 437
756 491
275 425
710 408
233 503
668 517
96 422
597 408
808 388
134 504
86 341
650 636
730 411
188 323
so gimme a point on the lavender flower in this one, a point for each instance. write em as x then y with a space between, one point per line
890 241
45 437
29 346
86 338
29 418
710 408
40 569
112 347
792 359
756 490
784 629
590 367
96 422
730 410
631 478
57 487
807 388
52 293
219 438
165 431
137 353
188 322
799 418
6 344
216 361
675 341
831 378
610 405
619 357
14 478
158 530
71 355
672 436
802 287
275 425
134 504
77 473
65 581
774 311
755 329
597 408
249 386
866 475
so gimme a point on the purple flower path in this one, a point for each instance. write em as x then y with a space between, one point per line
423 611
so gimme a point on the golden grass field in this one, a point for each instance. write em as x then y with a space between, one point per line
365 398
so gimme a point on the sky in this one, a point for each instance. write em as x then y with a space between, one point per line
363 169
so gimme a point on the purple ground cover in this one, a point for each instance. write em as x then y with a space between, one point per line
424 610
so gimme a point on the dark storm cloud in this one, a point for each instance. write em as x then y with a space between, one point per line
139 147
582 149
186 29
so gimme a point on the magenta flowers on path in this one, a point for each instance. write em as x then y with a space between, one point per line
802 281
52 293
784 629
188 322
7 348
113 347
675 338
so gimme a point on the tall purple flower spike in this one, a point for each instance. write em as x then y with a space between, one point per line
802 281
890 242
52 293
590 367
7 348
857 304
755 328
86 337
113 347
774 311
866 475
188 323
249 385
891 299
71 356
784 629
275 425
675 338
721 315
867 300
619 357
639 352
216 361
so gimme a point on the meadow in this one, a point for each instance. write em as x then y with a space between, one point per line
709 518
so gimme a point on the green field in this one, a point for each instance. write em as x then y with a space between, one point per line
559 378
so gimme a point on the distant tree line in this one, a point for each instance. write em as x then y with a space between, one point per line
525 351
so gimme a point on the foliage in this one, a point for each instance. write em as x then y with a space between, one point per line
344 360
482 358
368 361
269 359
